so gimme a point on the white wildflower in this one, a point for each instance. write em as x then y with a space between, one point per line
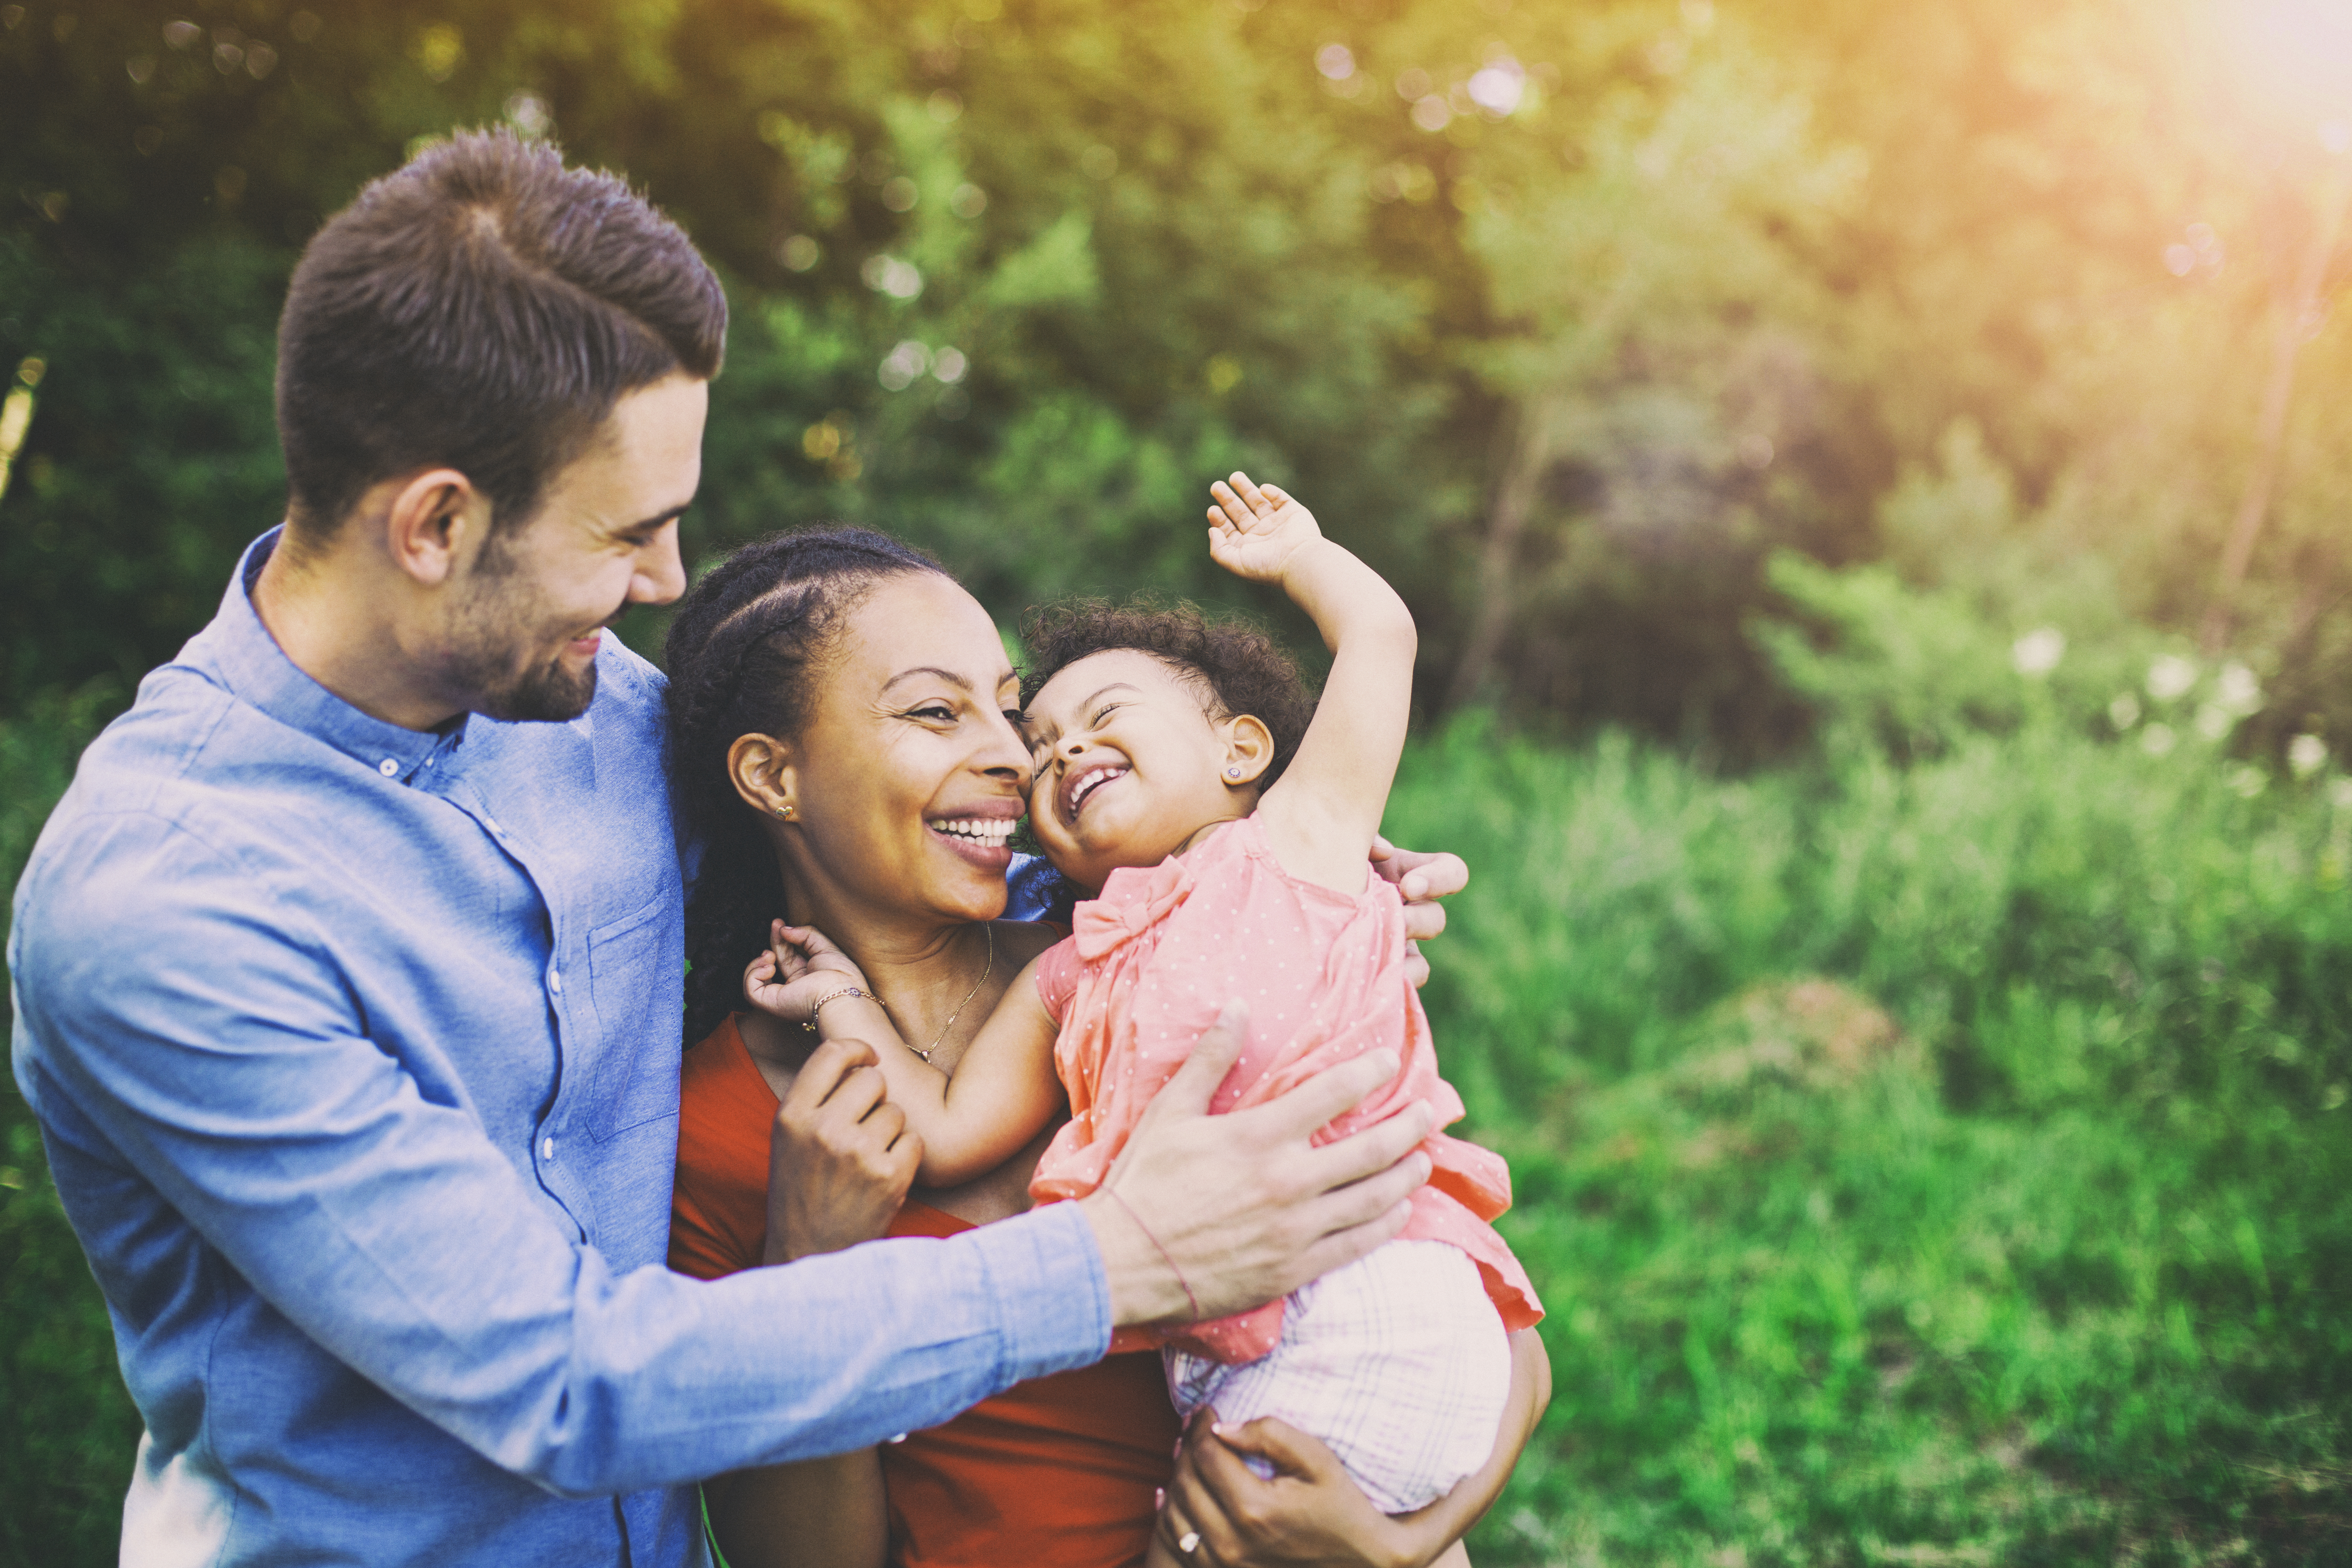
2171 676
2037 653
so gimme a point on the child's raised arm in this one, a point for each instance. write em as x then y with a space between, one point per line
1004 1090
1322 814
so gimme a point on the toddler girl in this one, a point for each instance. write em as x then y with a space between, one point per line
1231 854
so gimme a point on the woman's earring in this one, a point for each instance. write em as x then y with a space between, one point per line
1232 773
785 812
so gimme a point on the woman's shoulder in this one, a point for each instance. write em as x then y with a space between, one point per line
1021 942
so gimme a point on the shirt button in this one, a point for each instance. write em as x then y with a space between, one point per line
555 980
547 1149
492 824
387 767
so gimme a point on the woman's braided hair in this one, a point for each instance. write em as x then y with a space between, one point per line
740 653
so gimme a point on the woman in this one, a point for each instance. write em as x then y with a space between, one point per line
842 737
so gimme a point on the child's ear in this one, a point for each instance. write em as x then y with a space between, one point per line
766 773
1249 751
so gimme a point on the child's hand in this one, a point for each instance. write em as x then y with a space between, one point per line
1256 531
798 971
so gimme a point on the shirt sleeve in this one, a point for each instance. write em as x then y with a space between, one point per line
216 1054
1058 969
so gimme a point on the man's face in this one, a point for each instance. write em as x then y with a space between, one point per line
526 621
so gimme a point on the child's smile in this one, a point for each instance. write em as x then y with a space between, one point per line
1130 766
1081 784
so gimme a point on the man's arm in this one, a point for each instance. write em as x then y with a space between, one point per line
219 1057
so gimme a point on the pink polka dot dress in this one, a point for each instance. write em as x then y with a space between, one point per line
1147 966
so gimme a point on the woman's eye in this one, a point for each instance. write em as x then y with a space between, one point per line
937 713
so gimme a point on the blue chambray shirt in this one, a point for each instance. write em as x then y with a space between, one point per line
355 1052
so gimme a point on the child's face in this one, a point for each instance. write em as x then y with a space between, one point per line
1129 764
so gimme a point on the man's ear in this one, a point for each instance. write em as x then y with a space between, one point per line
1249 751
766 773
435 524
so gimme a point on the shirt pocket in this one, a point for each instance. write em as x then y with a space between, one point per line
635 981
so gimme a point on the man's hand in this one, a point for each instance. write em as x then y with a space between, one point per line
1423 880
840 1159
1204 1216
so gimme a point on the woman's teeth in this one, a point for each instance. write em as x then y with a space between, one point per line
1087 782
988 832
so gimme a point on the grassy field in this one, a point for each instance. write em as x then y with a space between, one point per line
1949 1165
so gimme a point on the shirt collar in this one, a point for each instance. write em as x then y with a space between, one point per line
253 667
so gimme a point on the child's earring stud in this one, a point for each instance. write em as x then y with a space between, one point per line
1232 773
785 812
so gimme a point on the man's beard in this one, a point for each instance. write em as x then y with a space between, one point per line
548 693
481 662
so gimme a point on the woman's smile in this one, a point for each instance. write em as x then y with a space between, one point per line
979 834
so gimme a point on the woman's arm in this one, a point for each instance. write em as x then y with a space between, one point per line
1004 1090
1310 1515
821 1513
1323 814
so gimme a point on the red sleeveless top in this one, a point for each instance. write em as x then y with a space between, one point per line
1057 1473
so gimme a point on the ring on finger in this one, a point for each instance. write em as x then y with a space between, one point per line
1187 1542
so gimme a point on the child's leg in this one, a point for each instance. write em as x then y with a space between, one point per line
1397 1363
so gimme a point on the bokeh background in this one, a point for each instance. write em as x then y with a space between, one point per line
1873 476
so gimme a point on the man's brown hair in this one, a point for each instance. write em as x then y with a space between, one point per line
482 306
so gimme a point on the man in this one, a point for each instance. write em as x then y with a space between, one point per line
347 975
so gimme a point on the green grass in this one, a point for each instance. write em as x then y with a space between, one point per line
1940 1166
1947 1165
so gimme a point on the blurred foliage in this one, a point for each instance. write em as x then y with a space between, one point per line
1571 316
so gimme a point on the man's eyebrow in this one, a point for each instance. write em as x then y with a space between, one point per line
949 676
649 524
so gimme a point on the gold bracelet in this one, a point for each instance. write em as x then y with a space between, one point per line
809 1023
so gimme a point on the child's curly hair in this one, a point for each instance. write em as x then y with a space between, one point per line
1233 663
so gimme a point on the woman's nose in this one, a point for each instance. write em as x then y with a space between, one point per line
1006 754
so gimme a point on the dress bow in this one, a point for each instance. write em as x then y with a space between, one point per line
1132 902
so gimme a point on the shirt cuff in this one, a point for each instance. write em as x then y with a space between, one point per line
1032 1264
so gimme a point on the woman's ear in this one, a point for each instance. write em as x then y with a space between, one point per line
1249 751
766 775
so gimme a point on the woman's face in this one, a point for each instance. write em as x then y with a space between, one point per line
909 773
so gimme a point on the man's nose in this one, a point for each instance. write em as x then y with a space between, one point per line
660 575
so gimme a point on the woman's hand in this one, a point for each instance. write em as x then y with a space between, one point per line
799 969
1423 880
1311 1514
840 1158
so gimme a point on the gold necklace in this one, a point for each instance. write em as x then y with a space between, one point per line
925 1052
